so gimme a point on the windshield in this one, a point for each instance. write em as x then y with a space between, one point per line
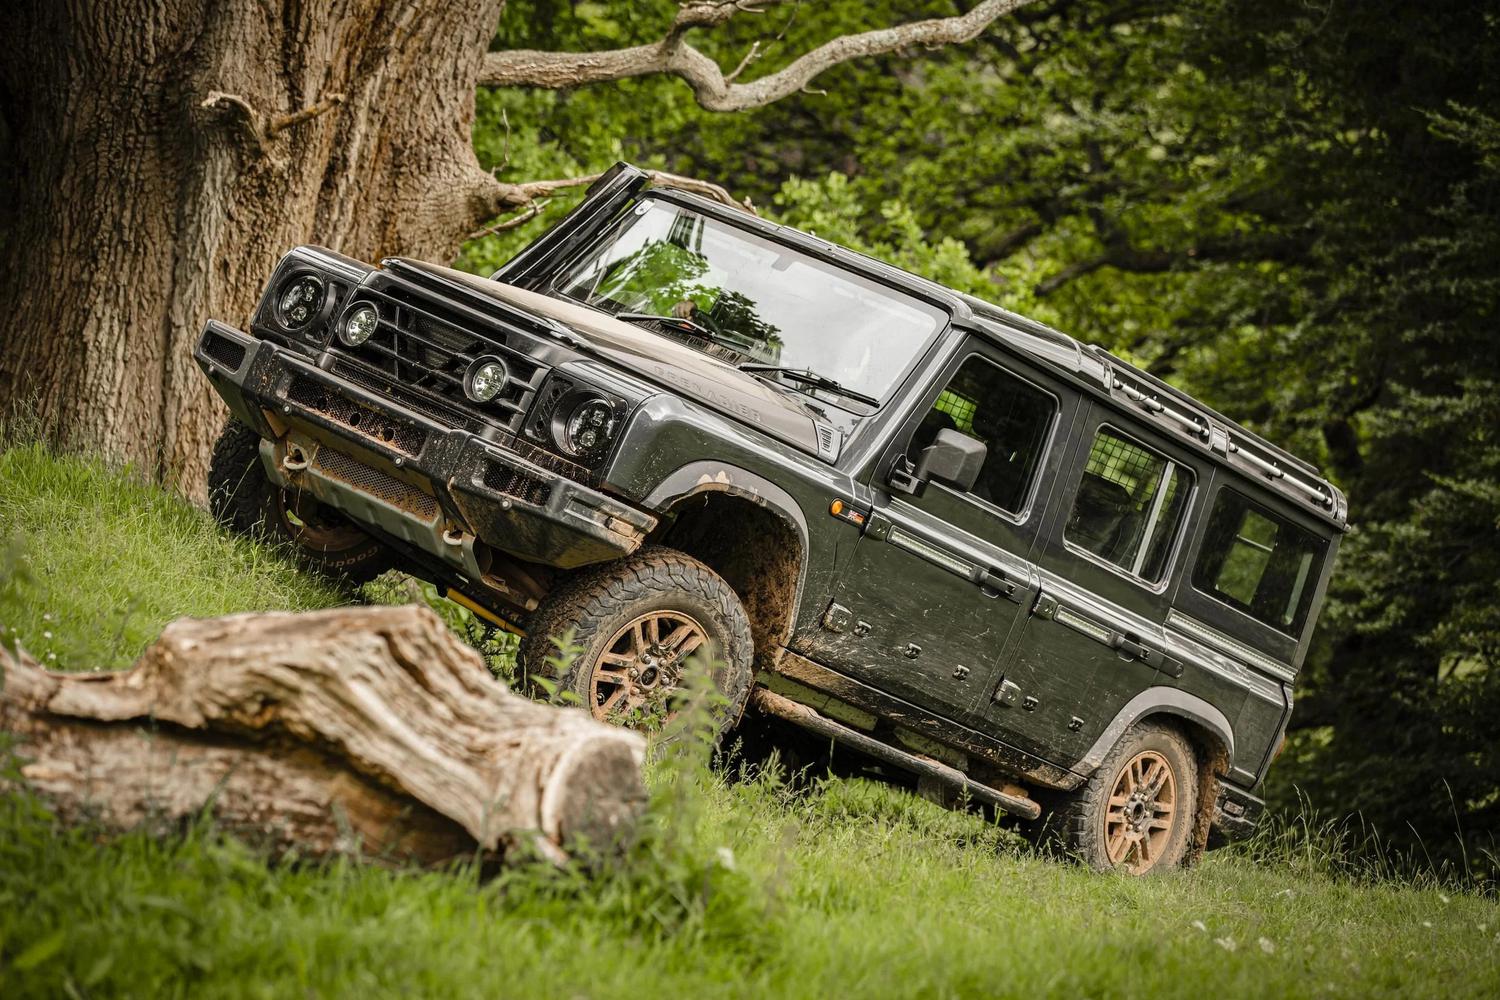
752 300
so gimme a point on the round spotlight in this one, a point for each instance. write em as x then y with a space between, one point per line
359 324
484 379
590 427
300 300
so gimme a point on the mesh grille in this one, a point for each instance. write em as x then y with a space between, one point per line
420 402
425 347
362 477
356 416
515 483
225 351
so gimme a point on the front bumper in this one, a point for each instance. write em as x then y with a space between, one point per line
450 492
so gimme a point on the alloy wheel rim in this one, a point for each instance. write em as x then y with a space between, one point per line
642 664
1141 814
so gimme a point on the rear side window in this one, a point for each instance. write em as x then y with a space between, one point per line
1259 562
1129 506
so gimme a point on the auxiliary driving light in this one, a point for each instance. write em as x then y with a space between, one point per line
300 301
484 379
359 324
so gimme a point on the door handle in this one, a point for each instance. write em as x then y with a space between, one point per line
994 583
1134 649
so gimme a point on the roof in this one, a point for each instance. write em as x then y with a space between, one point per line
1242 450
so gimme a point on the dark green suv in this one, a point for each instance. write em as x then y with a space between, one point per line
900 517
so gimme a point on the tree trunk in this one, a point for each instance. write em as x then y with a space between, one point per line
160 155
366 729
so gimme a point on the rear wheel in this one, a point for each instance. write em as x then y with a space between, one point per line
244 499
1136 812
637 624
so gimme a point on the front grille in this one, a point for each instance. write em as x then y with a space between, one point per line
225 351
356 416
425 348
337 465
514 483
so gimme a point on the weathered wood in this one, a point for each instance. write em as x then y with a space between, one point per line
357 728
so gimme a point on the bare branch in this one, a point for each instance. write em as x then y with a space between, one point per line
282 122
715 91
532 211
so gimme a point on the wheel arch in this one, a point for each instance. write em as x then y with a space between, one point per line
1206 728
745 528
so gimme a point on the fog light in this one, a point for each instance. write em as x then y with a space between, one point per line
484 379
359 324
300 301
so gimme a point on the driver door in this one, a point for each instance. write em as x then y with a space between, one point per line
937 582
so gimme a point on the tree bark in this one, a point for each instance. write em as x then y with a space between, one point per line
371 730
162 155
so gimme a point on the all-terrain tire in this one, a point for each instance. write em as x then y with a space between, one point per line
599 602
1081 821
244 499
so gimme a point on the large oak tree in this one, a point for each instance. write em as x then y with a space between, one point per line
157 156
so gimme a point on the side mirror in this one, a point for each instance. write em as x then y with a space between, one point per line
953 459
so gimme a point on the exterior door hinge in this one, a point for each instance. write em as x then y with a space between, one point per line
877 525
837 618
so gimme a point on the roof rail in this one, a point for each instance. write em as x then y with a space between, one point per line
1208 413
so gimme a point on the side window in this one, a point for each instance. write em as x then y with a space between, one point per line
1129 506
1257 561
1010 416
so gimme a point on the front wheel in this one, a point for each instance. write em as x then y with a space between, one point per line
636 625
244 499
1136 812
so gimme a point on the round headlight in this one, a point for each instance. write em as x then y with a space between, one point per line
590 427
484 379
359 323
300 300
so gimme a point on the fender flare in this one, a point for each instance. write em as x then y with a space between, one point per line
708 476
1157 701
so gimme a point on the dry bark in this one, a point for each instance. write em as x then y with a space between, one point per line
366 729
158 156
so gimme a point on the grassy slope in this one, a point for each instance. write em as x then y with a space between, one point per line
738 889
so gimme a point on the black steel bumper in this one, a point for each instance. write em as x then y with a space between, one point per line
451 492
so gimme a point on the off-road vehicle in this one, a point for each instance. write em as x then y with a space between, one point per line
901 517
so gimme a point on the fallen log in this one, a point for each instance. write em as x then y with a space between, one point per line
370 730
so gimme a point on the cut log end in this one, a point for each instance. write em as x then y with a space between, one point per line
357 729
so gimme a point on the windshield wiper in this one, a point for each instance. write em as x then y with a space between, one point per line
809 377
685 325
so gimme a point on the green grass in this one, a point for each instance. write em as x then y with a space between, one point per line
94 561
737 888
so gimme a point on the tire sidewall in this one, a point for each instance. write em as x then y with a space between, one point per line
1180 759
717 650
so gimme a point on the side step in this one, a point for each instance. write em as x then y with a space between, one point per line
781 707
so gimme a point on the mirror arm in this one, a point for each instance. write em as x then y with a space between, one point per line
904 478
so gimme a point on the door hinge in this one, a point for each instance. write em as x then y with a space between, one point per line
837 618
1007 694
877 525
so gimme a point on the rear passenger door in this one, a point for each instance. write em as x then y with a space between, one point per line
1105 565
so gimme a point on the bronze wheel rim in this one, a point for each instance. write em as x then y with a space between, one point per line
642 665
313 525
1139 822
